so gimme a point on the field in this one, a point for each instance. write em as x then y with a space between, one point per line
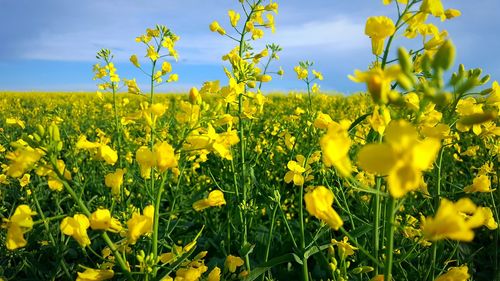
225 182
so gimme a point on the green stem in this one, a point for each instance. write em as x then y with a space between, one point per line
51 237
270 236
437 196
305 271
376 226
85 210
389 224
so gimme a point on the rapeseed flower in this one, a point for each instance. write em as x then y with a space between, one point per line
233 262
455 274
378 81
335 146
76 227
139 224
102 220
215 199
19 223
319 204
91 274
454 221
379 28
403 157
115 180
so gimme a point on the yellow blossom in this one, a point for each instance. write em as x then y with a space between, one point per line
402 157
215 199
379 28
335 146
18 224
481 183
91 274
233 262
234 17
214 275
345 249
378 81
302 73
139 224
115 181
215 27
319 204
453 221
76 227
455 274
102 220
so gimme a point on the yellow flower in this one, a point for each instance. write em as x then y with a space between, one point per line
25 180
214 275
319 204
102 220
234 17
489 220
152 53
378 81
345 249
91 274
233 262
335 146
22 160
380 118
295 173
322 120
140 224
165 156
402 157
378 28
107 154
455 274
76 227
18 224
162 157
215 27
215 199
481 183
15 121
302 73
115 181
452 221
318 75
434 7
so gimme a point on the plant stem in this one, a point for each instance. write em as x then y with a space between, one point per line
270 236
305 271
51 237
389 224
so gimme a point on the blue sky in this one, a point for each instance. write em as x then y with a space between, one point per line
50 45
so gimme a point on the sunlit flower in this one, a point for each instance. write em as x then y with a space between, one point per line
91 274
19 223
215 199
402 157
102 220
319 204
379 28
139 224
76 227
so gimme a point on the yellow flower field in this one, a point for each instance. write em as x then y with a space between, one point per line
227 182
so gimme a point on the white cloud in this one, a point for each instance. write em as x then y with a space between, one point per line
338 34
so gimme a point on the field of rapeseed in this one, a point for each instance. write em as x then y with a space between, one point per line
227 183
